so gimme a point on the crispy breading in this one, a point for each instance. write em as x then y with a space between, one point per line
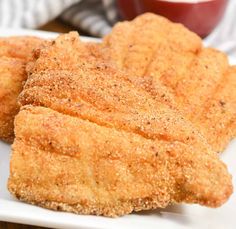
19 46
15 52
172 57
218 117
12 75
89 141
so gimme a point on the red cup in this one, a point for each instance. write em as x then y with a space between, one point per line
199 16
128 9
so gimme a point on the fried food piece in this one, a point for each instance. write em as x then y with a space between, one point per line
145 35
88 141
67 163
12 75
218 117
19 47
172 57
14 53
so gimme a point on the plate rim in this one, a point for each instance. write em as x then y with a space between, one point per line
43 34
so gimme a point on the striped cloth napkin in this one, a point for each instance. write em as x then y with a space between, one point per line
96 17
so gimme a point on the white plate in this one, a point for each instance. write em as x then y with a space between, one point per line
178 217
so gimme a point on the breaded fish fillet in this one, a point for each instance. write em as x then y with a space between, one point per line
12 75
15 52
88 141
173 60
19 46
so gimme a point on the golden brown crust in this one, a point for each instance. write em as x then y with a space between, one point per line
12 76
67 163
217 119
89 141
68 78
172 57
20 47
14 53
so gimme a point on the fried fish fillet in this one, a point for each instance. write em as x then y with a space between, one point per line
175 67
88 141
19 46
15 52
12 75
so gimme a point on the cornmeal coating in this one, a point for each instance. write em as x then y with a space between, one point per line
89 141
12 75
15 52
159 54
20 47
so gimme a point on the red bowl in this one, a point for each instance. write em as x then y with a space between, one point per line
200 16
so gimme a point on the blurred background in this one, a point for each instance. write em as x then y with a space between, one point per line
214 19
211 19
